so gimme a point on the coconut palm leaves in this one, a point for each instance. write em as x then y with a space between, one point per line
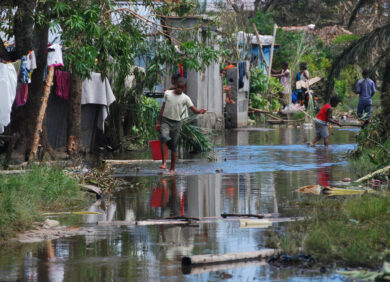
374 47
359 5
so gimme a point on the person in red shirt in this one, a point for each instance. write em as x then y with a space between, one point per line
322 119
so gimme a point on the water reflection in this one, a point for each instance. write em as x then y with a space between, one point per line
260 171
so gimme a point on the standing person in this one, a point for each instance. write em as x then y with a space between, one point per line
302 75
366 89
322 119
169 124
284 75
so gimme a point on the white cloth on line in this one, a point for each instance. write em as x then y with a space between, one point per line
31 61
54 56
8 83
96 91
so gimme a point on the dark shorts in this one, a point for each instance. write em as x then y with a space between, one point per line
364 107
321 129
170 133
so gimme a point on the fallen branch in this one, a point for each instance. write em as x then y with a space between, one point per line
232 257
371 175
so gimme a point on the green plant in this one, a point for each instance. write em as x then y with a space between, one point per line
346 38
192 138
24 197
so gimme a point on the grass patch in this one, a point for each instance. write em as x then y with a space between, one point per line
24 197
352 231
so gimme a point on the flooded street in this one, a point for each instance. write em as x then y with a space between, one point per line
255 172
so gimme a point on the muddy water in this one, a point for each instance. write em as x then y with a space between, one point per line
257 172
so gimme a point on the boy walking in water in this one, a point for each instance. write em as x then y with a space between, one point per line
322 119
169 124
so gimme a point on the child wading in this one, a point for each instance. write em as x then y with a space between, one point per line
321 122
169 124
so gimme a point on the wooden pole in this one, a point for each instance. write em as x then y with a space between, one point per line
232 257
272 53
261 49
41 114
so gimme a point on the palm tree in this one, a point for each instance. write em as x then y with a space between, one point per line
371 51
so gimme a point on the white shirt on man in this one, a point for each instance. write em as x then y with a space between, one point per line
175 105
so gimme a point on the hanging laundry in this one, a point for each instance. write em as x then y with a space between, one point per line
96 91
17 65
8 83
21 97
54 56
63 84
24 76
242 73
31 61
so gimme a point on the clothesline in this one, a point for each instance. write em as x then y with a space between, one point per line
13 61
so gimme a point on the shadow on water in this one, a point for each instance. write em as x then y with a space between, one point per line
260 171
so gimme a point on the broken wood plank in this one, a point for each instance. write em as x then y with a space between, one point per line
230 257
224 215
198 269
161 222
183 218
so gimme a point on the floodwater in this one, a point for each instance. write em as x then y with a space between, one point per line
255 172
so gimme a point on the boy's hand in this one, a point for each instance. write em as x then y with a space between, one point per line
157 127
202 111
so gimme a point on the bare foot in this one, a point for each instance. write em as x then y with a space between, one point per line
171 171
163 166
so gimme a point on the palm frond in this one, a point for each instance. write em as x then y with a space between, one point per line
358 6
369 48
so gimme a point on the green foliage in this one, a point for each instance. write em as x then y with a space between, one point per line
193 139
346 38
373 151
258 90
147 112
264 23
348 230
24 197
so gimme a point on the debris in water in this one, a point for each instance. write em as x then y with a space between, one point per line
255 223
330 191
310 189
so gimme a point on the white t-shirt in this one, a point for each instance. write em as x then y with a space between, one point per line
54 57
175 105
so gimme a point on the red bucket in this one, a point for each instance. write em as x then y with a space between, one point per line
155 145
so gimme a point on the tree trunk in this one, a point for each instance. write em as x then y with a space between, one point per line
74 115
23 117
41 114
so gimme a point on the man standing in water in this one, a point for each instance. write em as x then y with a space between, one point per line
169 121
366 89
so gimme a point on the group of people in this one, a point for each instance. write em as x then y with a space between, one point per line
176 101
